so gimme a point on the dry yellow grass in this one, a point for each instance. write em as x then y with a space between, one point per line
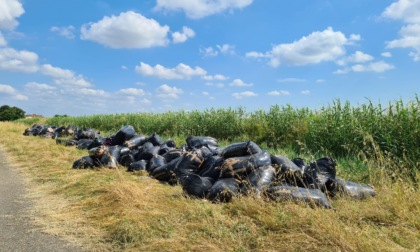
111 210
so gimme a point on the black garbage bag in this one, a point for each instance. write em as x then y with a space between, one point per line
98 141
300 162
224 190
166 172
126 159
285 168
111 156
326 172
71 142
258 180
137 166
353 190
240 149
196 186
172 154
97 151
188 164
155 139
124 151
241 166
314 197
169 143
85 162
194 142
155 162
122 135
70 130
59 132
295 172
135 141
147 151
211 167
85 133
83 144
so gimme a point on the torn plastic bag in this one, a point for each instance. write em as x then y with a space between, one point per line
194 142
314 197
85 133
166 172
111 156
240 167
326 172
211 167
137 166
98 141
97 151
354 190
240 149
135 141
124 134
172 154
70 129
155 162
224 190
84 163
83 144
196 186
188 164
258 180
155 139
126 159
147 151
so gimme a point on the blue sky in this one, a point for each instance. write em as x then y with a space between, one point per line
103 57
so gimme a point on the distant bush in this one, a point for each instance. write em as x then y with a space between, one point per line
8 113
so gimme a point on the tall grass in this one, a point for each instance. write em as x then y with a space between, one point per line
340 129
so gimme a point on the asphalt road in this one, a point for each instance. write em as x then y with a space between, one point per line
16 231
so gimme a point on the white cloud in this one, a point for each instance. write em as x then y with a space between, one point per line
65 31
145 101
7 89
56 72
78 81
278 93
305 92
218 77
317 47
320 81
386 54
196 9
218 85
244 94
9 11
132 91
226 49
208 52
168 92
128 30
410 38
206 93
405 10
181 37
3 41
91 92
256 55
377 67
240 83
294 80
18 61
181 71
357 57
39 87
20 97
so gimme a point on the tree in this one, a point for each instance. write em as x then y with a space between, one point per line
8 113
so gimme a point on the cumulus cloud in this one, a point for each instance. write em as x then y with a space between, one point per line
65 31
305 92
39 87
222 49
218 77
244 94
9 11
196 9
181 71
56 72
407 11
357 57
240 83
226 49
20 97
78 81
291 80
3 41
90 92
132 91
377 67
18 61
181 37
128 30
208 52
7 89
386 54
317 47
218 85
168 92
278 93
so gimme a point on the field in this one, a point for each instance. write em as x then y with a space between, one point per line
112 210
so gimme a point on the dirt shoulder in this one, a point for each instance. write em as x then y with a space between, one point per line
17 233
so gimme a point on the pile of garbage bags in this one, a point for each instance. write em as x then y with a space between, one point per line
205 170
